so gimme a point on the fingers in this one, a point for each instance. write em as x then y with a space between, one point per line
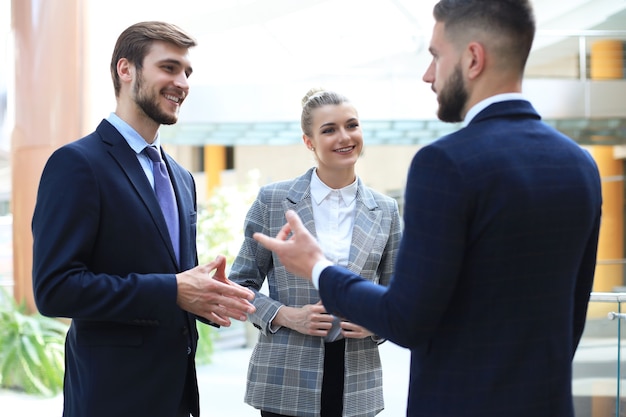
348 326
220 271
225 313
284 232
232 289
217 319
272 243
294 221
319 326
227 308
319 308
218 263
294 224
221 267
217 299
267 242
354 331
236 307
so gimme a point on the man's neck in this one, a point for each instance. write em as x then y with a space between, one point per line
144 125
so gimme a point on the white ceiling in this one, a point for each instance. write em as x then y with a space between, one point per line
265 41
252 46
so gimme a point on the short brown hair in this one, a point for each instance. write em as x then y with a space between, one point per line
135 42
512 22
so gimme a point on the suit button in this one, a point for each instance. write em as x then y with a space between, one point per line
185 331
188 350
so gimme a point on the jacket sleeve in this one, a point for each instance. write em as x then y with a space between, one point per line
67 237
254 262
424 275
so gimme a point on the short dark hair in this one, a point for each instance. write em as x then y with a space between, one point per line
510 21
135 43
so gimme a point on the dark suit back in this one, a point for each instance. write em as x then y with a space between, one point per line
494 271
102 257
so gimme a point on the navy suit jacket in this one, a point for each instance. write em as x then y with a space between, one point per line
102 256
494 271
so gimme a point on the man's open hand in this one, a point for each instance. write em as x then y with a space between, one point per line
215 298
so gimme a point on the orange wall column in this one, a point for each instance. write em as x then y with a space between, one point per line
609 271
214 164
606 62
49 108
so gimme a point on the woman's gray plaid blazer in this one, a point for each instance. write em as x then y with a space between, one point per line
285 370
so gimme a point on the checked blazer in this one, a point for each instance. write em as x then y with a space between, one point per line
285 370
494 271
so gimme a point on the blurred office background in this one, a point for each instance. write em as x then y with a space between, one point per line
254 62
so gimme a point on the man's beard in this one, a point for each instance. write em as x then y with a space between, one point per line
149 103
452 98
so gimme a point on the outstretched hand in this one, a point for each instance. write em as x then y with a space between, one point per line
215 298
296 248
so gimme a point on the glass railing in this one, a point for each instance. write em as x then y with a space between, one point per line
598 383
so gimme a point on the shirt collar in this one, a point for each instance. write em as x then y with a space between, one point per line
134 139
319 190
481 105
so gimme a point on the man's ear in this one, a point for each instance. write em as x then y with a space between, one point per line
125 70
474 59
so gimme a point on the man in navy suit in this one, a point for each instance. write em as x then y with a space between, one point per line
497 258
102 250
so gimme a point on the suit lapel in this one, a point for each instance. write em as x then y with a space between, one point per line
299 200
130 166
366 221
365 230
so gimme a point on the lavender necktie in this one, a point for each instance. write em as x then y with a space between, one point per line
165 194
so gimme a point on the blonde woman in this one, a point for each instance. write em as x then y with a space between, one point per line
307 362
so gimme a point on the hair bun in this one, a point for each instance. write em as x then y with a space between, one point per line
312 92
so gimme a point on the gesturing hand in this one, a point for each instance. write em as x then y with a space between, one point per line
215 298
298 252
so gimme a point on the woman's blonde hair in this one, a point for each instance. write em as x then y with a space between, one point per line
314 99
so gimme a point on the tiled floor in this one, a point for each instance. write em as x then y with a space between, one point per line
222 386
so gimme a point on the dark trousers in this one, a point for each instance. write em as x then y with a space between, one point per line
332 381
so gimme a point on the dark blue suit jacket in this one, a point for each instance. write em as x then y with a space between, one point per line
102 256
494 272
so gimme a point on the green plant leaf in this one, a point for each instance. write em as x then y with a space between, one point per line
31 349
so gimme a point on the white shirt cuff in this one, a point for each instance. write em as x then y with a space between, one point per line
272 328
317 271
